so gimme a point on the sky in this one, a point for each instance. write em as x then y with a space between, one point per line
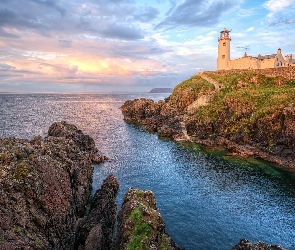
130 45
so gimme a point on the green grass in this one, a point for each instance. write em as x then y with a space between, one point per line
141 232
250 92
195 85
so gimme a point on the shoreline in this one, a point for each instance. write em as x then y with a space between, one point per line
46 187
265 141
236 150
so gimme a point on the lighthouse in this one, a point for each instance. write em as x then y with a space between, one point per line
223 49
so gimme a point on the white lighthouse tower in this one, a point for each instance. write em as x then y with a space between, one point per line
223 49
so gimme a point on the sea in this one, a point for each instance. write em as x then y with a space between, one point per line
209 200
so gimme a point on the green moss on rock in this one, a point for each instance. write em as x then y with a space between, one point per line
141 232
140 225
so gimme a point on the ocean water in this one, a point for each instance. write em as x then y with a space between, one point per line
208 200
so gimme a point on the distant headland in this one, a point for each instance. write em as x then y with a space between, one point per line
161 90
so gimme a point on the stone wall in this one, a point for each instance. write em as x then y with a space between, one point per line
243 63
286 72
267 63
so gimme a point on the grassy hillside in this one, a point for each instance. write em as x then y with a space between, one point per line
249 94
188 91
249 109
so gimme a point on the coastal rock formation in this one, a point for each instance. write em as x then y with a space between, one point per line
156 117
96 229
140 225
44 188
251 115
247 245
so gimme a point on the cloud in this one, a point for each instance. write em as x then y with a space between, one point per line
110 19
6 34
250 29
289 22
275 6
122 32
4 66
65 43
51 4
243 48
197 13
8 72
147 14
10 18
246 12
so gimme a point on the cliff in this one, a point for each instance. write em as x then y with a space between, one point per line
44 188
95 230
45 192
249 113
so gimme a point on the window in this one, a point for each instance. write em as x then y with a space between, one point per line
224 44
223 56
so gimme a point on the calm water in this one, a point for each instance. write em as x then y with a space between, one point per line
208 200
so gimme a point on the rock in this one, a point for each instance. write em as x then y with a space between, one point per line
44 188
96 229
247 245
156 117
71 132
140 225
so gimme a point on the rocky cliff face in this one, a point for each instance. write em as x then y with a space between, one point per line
140 225
157 117
95 231
44 188
250 115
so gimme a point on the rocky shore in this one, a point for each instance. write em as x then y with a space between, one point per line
214 114
45 203
247 245
45 187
